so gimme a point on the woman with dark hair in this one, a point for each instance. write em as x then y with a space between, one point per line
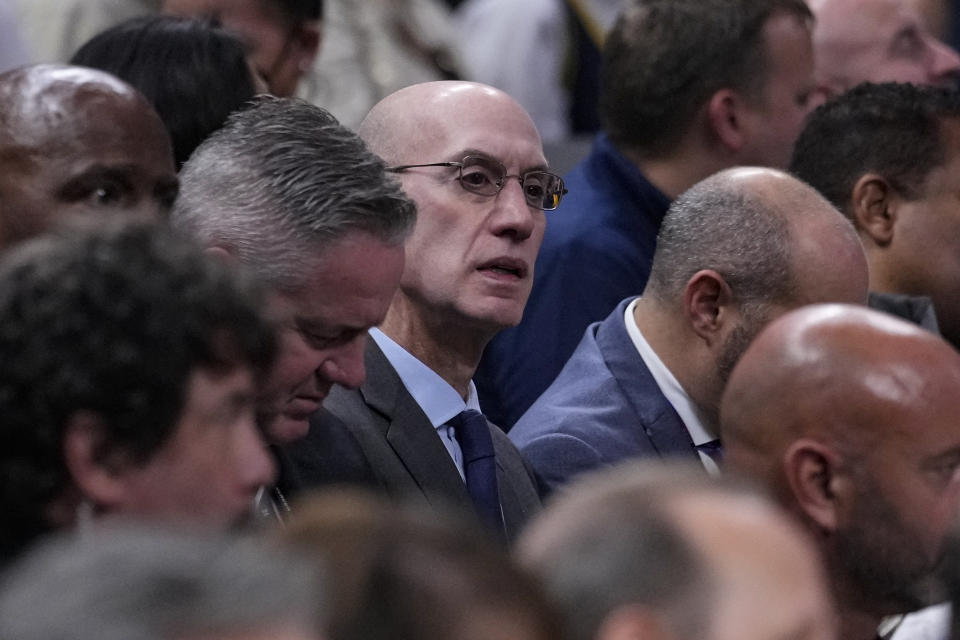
194 73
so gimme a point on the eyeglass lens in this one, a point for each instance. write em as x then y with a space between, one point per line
485 176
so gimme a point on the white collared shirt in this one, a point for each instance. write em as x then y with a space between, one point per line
438 400
689 414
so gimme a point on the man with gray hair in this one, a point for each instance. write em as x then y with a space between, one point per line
665 553
139 584
286 190
734 251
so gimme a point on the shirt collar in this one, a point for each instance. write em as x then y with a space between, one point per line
438 400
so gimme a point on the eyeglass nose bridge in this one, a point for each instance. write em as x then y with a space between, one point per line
502 180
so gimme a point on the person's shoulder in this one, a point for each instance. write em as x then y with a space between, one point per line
329 454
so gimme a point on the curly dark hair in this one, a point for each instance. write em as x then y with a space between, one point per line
892 129
663 60
113 322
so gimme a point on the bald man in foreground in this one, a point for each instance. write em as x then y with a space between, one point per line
849 416
78 142
735 251
663 553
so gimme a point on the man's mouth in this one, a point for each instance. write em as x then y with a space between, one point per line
505 267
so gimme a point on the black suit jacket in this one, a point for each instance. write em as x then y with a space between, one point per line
379 437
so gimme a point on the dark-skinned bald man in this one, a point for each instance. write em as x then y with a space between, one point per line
849 417
75 141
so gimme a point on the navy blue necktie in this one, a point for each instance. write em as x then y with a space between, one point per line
714 449
479 466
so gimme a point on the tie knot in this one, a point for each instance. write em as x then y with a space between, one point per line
473 434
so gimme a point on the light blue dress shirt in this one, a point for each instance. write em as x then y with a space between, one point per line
438 400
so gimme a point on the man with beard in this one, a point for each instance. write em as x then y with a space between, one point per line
735 251
849 417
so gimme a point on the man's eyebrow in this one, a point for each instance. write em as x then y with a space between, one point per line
483 154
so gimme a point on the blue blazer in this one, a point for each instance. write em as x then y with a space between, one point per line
596 251
603 407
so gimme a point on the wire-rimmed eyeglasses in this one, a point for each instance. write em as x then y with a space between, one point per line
486 177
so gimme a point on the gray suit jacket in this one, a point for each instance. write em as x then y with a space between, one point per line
379 437
603 407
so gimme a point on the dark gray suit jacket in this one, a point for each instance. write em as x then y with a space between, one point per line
379 437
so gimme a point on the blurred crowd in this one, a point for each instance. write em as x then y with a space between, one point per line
463 319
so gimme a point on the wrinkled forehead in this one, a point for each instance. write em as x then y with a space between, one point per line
454 124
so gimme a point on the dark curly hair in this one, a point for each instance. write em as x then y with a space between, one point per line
112 322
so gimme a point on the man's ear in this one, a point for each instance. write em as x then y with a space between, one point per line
725 119
819 490
95 472
707 300
873 206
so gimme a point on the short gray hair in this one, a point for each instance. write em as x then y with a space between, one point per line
138 584
720 224
282 180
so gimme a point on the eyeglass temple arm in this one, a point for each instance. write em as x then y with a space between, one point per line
403 167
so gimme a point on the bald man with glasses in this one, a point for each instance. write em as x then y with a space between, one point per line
472 160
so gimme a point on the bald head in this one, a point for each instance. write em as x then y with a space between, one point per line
769 235
877 41
850 416
664 551
468 153
851 365
735 251
76 141
424 115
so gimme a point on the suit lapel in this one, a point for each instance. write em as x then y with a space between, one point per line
660 420
409 432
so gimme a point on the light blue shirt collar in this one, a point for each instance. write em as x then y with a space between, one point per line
438 400
435 396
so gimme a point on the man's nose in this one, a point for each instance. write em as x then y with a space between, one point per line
345 365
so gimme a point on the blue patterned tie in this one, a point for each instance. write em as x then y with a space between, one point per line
714 449
479 466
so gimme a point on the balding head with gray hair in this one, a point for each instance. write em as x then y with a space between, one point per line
741 227
282 180
735 251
